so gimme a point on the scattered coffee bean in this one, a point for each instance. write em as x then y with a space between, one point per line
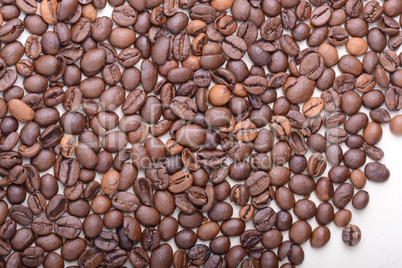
351 235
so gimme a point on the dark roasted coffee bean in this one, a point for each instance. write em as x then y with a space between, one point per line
11 30
271 29
21 214
281 127
138 257
264 219
8 229
33 256
240 99
199 254
351 235
376 172
316 165
91 256
320 15
68 227
106 241
234 256
288 45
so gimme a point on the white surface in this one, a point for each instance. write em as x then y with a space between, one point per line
380 222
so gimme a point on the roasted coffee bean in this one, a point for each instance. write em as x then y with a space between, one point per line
320 15
11 30
257 183
234 256
37 203
301 184
56 207
250 238
92 255
264 219
316 165
33 256
297 163
21 214
300 232
351 235
68 227
360 200
292 89
162 256
357 178
106 241
5 248
376 172
343 195
67 171
288 45
138 257
199 254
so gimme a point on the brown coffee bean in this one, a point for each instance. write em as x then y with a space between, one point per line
351 235
20 110
342 217
316 165
180 181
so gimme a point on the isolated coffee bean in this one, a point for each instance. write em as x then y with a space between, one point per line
351 235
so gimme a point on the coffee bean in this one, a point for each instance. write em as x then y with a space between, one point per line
239 194
264 219
11 30
234 47
20 110
301 184
162 256
316 165
8 229
37 203
21 214
320 15
288 45
5 248
292 89
300 232
199 254
138 257
143 189
389 60
56 207
235 255
351 235
33 256
68 227
257 183
343 195
320 237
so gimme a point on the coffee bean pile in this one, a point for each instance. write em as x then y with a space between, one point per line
147 127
